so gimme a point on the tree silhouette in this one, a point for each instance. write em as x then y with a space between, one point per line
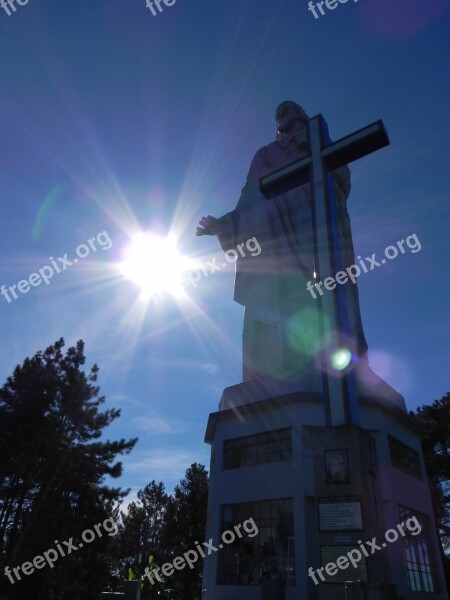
140 538
52 473
436 453
185 524
160 527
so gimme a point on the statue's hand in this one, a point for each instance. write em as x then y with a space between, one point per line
208 226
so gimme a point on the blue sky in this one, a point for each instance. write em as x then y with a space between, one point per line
115 120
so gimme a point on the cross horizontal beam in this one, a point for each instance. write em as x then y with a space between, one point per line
337 154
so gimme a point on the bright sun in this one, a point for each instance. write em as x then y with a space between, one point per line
155 265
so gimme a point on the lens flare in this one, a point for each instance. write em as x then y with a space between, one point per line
304 333
340 359
45 210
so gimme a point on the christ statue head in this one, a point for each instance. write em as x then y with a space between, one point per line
290 116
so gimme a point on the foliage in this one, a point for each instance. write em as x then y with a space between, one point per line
436 451
159 527
140 544
52 474
184 524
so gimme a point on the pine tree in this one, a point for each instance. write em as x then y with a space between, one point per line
436 451
185 524
140 539
52 472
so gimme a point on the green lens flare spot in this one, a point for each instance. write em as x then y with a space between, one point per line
44 211
303 332
340 359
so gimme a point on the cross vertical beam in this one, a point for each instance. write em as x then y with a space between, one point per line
339 390
340 398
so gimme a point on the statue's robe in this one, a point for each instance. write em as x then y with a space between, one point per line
280 322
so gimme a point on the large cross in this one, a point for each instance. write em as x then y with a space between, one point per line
341 403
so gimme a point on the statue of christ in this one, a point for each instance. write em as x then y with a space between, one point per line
280 321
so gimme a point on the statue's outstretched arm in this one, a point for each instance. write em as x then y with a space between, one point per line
224 228
208 226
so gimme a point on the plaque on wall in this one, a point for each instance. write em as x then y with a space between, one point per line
330 554
336 466
341 513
